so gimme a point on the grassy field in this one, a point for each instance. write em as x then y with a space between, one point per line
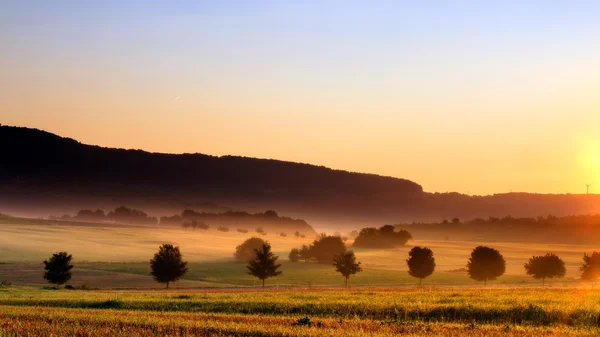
117 257
374 312
217 298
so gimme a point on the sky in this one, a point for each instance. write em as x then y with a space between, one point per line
468 96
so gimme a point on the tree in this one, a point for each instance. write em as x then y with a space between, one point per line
261 231
546 266
294 255
297 234
485 264
58 268
304 253
345 263
245 251
325 248
383 237
590 270
168 265
263 265
421 263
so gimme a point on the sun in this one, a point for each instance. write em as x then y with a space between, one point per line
589 159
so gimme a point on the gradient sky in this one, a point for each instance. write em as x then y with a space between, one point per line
463 96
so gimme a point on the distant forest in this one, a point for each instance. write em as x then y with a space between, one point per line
269 221
575 229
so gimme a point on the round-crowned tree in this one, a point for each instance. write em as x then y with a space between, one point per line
546 266
58 268
590 270
325 248
485 264
168 265
294 255
421 262
246 251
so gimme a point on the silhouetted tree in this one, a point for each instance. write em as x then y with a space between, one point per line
271 214
345 263
58 268
294 255
383 237
546 266
89 215
243 231
264 264
325 248
421 263
203 225
223 229
485 264
245 251
168 265
590 270
297 234
261 231
304 253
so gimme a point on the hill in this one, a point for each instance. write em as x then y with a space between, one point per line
38 168
42 173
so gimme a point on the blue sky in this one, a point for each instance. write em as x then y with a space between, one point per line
389 87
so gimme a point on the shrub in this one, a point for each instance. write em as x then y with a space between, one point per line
243 231
223 229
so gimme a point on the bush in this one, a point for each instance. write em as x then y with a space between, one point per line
223 229
6 283
243 231
245 251
282 234
69 287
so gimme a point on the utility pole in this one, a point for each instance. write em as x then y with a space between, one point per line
587 190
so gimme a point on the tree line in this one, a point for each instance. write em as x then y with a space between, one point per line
485 264
539 229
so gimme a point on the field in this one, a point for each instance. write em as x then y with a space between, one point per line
374 312
217 298
117 257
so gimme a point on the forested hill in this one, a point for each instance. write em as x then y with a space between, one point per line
44 172
40 164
